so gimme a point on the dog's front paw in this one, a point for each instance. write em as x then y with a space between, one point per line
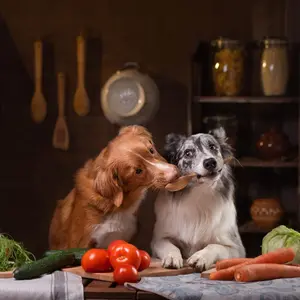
172 261
201 261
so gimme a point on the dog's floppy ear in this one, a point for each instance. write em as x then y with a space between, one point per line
107 184
220 135
172 144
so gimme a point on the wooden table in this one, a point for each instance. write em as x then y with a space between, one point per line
95 289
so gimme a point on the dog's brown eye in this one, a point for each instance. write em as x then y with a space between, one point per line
138 171
212 147
151 150
188 153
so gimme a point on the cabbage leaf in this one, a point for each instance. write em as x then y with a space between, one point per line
282 237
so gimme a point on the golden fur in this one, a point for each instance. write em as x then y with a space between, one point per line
110 183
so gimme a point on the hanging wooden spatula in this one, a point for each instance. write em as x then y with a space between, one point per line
81 102
61 134
38 102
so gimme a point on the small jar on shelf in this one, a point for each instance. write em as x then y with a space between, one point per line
266 212
228 67
273 144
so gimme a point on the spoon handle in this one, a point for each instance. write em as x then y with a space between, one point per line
38 50
81 60
61 93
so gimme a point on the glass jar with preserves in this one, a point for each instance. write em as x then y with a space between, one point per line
274 66
228 67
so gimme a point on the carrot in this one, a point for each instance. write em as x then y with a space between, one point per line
279 256
226 263
265 272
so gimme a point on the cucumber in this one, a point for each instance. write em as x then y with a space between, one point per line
78 253
44 265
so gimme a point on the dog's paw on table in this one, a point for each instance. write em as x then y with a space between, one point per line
200 261
172 261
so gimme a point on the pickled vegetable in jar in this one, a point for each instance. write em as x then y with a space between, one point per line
228 67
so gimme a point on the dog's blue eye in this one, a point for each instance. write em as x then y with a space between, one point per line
138 171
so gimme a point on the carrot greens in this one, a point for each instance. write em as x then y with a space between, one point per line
12 254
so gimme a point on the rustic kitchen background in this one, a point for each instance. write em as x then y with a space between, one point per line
161 35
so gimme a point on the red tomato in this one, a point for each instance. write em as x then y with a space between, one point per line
95 260
125 254
145 260
125 273
113 244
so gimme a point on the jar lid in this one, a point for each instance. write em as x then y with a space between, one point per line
220 41
274 40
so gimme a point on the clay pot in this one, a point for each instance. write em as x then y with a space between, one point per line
272 145
266 212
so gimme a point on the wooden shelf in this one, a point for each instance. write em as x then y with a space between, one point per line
251 227
257 163
262 99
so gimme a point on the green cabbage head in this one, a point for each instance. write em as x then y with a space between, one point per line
282 237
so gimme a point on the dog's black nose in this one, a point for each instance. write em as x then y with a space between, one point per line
209 164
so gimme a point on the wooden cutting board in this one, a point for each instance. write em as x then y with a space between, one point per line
154 270
205 274
8 274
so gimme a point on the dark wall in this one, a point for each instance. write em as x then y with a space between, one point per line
160 35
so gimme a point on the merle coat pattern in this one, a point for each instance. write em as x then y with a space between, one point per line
199 222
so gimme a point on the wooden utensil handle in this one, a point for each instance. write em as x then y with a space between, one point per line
61 93
38 54
81 58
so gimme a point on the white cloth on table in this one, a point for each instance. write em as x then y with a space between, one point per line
56 286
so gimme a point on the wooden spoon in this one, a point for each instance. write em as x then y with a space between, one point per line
61 134
81 100
7 274
183 181
180 183
38 102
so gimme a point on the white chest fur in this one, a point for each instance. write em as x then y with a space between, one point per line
195 218
117 225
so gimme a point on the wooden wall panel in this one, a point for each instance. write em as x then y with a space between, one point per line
160 35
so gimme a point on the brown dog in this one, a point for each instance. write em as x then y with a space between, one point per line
108 191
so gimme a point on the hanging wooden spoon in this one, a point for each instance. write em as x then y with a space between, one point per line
81 102
61 133
180 183
38 102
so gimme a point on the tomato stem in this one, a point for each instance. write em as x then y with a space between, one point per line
122 258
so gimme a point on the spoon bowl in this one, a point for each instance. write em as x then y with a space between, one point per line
180 183
183 181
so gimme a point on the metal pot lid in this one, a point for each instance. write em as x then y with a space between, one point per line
125 97
129 97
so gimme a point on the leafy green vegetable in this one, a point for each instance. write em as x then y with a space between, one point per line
12 254
282 237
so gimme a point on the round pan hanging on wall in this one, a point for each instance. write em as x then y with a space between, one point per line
129 97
